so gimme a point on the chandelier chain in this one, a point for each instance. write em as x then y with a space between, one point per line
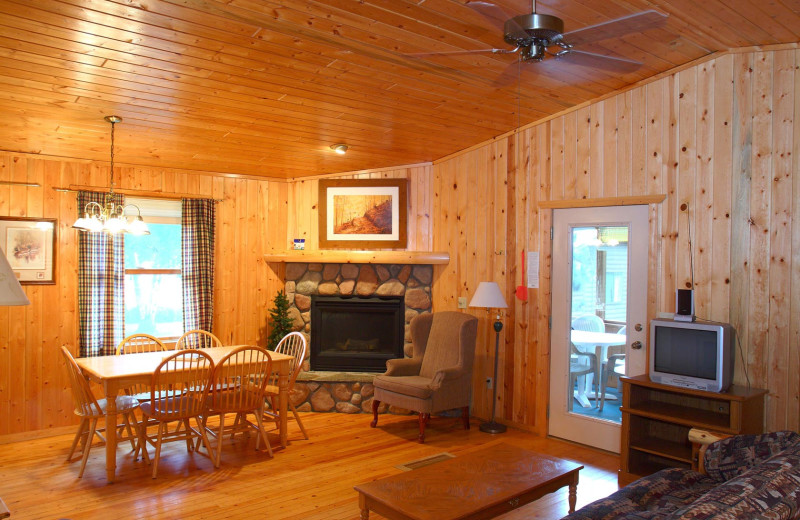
112 157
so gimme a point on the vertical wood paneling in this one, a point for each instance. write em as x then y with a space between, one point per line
721 141
761 160
686 83
624 144
742 137
701 217
610 152
793 394
722 171
780 239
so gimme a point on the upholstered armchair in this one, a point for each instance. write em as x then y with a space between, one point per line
438 376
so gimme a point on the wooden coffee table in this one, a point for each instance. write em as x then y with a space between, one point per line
481 484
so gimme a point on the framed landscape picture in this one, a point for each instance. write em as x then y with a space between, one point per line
29 245
363 214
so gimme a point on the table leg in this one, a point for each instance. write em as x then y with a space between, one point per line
111 433
580 393
283 404
362 504
573 493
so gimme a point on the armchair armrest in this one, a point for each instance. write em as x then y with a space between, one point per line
728 458
446 374
403 367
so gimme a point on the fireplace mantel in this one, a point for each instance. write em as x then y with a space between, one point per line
334 256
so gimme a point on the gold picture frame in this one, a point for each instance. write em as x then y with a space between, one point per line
363 214
30 248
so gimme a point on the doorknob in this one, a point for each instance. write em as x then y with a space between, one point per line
636 345
638 327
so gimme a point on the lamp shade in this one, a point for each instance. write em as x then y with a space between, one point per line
11 292
489 296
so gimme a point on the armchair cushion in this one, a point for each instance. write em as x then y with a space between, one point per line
412 386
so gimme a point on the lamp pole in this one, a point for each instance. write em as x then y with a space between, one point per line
492 426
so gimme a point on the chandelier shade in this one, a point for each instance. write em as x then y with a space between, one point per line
110 217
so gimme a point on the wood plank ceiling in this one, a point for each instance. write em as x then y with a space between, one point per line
262 87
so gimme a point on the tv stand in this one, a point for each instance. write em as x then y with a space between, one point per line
656 420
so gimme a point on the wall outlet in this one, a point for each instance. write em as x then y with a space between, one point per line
488 382
462 302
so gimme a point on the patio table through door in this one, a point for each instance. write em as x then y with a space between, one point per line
115 373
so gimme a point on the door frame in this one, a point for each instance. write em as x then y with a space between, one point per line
639 365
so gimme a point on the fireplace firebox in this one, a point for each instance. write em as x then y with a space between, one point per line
354 334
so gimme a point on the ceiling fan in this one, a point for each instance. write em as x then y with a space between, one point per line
537 37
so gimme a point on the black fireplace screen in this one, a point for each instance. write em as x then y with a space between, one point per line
356 334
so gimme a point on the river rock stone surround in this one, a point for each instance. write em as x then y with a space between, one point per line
350 392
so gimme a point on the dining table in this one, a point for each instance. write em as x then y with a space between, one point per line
115 373
593 343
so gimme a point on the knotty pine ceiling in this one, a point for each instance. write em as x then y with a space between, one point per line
263 88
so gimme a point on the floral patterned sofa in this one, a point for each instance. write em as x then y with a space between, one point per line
747 477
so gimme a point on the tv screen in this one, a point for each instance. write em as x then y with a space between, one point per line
686 352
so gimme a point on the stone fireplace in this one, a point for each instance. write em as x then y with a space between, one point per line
343 390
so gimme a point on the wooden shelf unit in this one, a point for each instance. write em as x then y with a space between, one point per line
332 256
656 420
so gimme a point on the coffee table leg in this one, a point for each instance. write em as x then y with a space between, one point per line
573 491
362 504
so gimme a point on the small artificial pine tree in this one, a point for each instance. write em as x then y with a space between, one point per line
279 321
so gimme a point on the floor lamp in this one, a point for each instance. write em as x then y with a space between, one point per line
490 297
11 292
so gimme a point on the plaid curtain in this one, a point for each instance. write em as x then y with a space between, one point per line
101 282
197 223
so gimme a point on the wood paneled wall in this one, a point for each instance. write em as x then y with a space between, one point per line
33 384
721 140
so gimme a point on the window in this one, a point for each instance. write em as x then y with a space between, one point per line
153 284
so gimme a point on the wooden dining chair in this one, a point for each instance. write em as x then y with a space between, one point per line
90 409
178 392
238 386
196 339
138 343
293 344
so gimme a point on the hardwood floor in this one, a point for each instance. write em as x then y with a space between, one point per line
310 479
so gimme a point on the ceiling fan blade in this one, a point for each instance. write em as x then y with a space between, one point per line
460 53
509 75
615 28
497 17
597 61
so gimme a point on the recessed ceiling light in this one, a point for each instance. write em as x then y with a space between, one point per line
341 149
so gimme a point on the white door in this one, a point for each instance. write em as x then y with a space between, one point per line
599 322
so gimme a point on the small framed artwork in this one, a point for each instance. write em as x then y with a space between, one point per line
363 214
30 247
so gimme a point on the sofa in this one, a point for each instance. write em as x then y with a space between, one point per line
746 477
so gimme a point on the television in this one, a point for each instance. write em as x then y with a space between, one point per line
697 354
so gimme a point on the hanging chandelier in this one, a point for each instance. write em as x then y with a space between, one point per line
109 217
